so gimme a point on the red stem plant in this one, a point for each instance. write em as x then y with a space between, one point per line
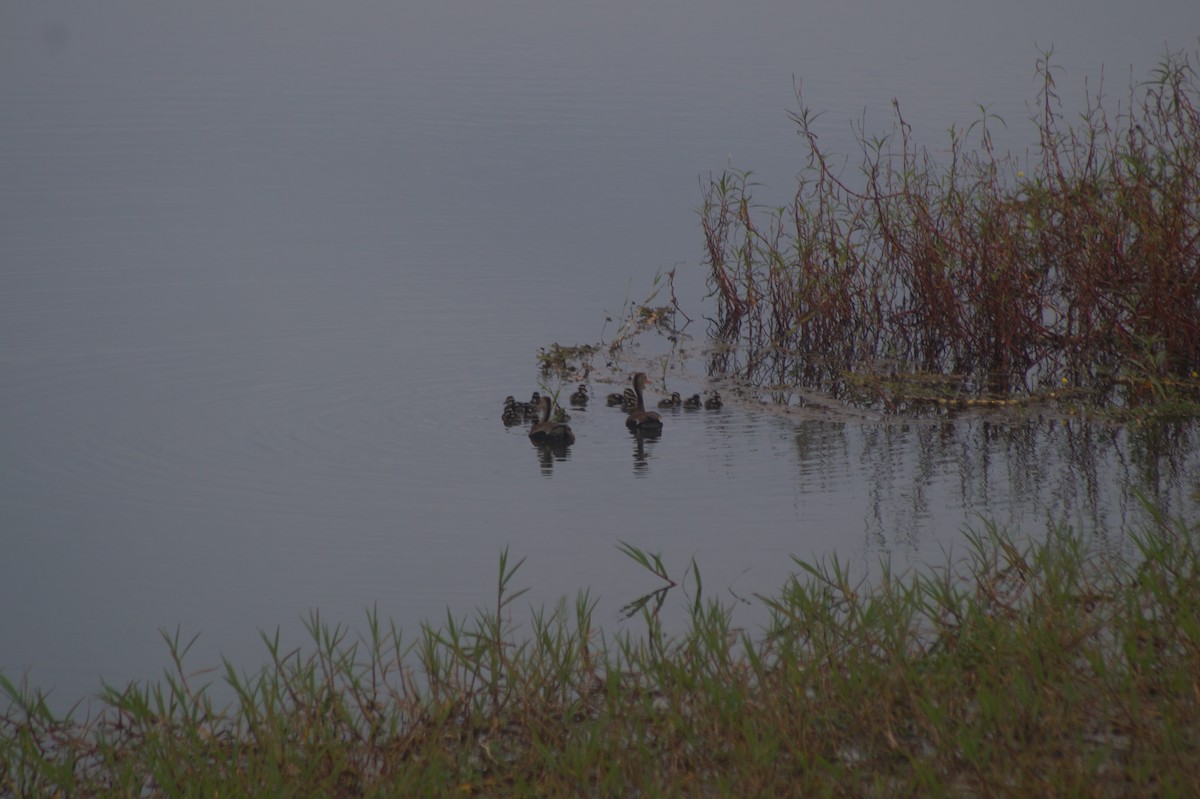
1085 272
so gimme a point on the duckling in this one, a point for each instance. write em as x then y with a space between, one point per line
548 432
692 403
673 401
640 418
629 400
580 397
713 402
512 414
533 407
614 399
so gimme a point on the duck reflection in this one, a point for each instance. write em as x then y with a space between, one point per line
643 443
550 451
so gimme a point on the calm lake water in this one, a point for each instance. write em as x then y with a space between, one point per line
267 271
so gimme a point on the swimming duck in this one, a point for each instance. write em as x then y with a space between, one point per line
640 418
513 412
629 400
548 432
614 399
580 397
533 407
692 403
713 402
673 401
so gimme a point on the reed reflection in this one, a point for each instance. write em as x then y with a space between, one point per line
1021 472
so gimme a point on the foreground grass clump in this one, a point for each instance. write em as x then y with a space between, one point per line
1080 269
1044 669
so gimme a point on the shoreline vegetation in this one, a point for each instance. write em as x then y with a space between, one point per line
1049 668
1074 277
1068 283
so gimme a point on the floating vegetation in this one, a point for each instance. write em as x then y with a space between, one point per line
643 317
567 363
1081 269
658 322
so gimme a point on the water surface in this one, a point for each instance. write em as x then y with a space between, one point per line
267 271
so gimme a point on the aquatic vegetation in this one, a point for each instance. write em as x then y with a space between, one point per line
567 362
1077 274
1043 668
638 318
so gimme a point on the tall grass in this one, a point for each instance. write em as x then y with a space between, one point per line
1082 267
1023 669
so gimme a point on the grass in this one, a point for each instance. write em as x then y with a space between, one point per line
917 280
1023 669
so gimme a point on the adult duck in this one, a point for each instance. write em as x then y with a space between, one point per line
640 418
548 432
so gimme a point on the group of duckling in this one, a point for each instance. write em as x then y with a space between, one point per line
692 403
516 412
628 401
555 431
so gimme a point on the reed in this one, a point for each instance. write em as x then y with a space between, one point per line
1043 668
1080 269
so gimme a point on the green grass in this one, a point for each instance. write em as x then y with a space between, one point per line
1023 669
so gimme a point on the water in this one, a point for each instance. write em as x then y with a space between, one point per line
266 273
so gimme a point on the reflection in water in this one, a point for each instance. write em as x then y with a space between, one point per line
641 452
550 451
1024 474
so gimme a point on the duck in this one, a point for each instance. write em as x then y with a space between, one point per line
533 407
548 432
512 413
640 418
629 400
713 402
673 401
580 397
614 399
692 403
